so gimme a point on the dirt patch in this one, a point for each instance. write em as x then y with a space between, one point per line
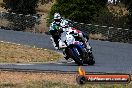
12 53
119 10
47 80
25 77
97 36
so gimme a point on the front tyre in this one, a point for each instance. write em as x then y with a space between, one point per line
76 57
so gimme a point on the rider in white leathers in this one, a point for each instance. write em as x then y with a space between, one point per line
77 34
55 29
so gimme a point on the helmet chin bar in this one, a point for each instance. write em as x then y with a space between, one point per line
57 22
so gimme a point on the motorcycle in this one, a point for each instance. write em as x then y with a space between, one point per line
75 49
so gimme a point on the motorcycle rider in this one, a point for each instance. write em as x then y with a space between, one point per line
78 35
55 29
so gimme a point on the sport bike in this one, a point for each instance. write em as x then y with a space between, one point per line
75 49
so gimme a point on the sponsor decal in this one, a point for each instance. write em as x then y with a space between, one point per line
84 77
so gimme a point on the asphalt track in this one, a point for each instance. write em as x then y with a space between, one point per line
110 57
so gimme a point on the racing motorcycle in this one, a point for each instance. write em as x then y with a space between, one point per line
75 49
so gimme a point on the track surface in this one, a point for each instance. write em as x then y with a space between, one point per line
110 57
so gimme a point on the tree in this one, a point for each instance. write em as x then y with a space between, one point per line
78 10
21 6
45 1
128 4
20 22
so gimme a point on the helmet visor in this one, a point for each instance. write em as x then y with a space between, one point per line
57 20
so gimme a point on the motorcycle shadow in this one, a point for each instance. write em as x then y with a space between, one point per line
68 64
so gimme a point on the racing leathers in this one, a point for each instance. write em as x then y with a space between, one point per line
55 31
79 36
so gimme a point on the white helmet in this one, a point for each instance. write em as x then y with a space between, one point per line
57 16
65 25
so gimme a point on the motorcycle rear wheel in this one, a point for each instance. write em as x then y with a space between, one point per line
91 59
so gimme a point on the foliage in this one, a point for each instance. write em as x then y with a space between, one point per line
25 7
45 1
21 6
78 10
128 4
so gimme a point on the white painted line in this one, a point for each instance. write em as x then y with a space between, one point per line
89 24
20 14
96 25
126 29
104 26
27 15
81 23
119 28
14 64
111 27
23 64
59 63
75 22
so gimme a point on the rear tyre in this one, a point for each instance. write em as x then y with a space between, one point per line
91 59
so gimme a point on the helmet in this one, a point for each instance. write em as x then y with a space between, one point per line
57 18
65 25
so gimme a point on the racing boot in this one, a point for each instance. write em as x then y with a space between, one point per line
57 45
89 48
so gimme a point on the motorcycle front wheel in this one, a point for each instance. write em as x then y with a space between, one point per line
76 57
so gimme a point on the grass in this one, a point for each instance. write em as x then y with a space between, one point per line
12 53
47 80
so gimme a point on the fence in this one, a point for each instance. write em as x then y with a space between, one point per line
105 32
31 22
20 22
